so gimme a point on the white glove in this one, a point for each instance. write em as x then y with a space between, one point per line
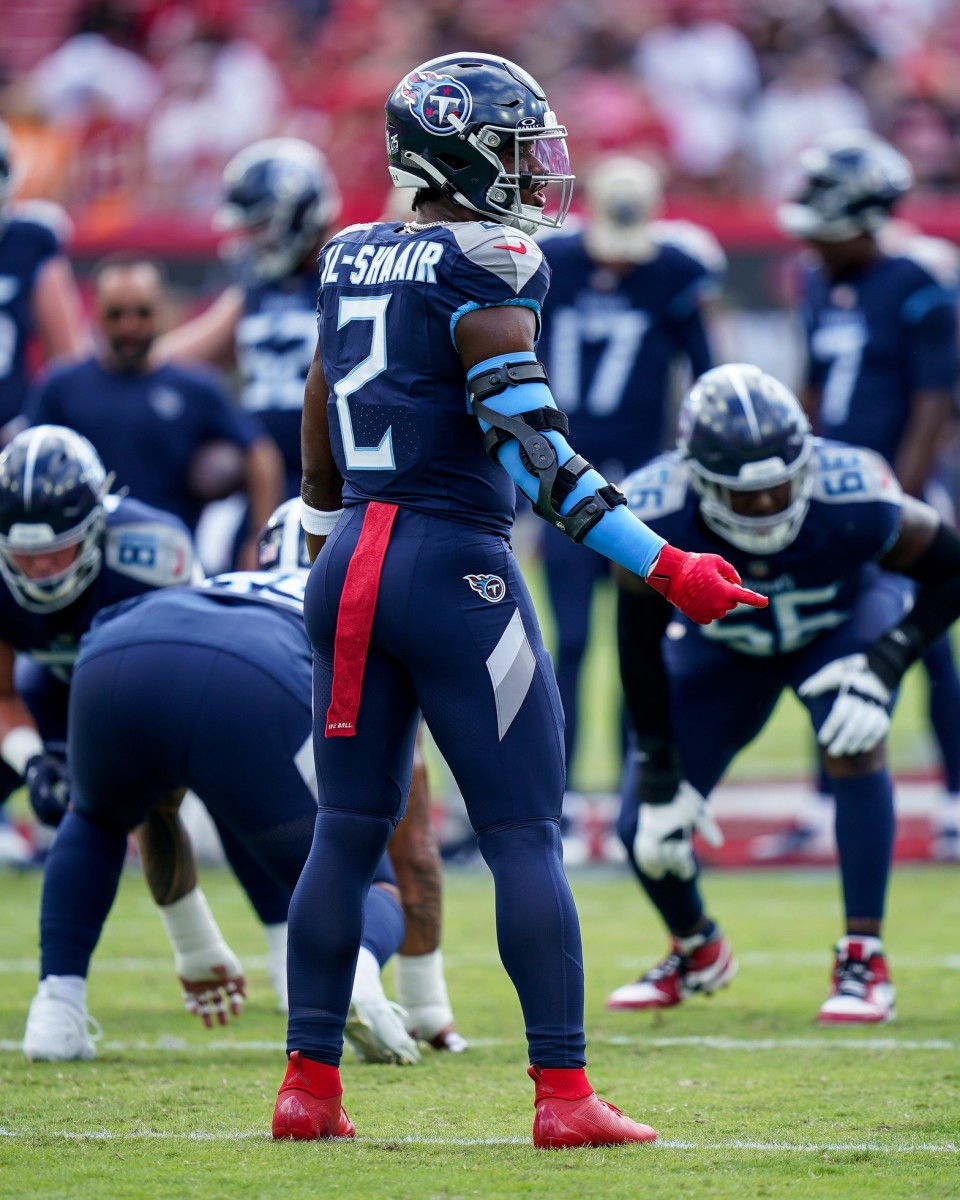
858 719
664 841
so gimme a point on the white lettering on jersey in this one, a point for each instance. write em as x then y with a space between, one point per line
845 474
658 488
155 554
282 588
274 352
373 265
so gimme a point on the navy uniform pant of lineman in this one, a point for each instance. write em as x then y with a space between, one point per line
477 669
146 720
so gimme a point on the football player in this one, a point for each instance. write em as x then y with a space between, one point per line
280 202
38 293
68 550
881 334
625 306
210 690
823 529
424 405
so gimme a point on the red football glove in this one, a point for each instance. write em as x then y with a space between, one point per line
703 586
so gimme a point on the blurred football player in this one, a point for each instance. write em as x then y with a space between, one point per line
825 531
881 334
208 690
68 550
425 403
148 422
280 202
625 307
38 293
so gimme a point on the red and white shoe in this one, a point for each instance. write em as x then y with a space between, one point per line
309 1103
862 992
684 972
569 1113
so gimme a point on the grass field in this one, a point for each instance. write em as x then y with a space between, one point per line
751 1099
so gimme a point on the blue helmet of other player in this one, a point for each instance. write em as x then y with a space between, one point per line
52 517
282 545
740 430
477 129
279 197
851 181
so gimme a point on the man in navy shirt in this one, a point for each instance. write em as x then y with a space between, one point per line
824 530
38 293
148 422
625 306
881 334
425 407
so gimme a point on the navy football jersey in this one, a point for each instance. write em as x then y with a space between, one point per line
400 426
144 427
265 626
25 245
274 343
873 340
610 340
143 549
814 583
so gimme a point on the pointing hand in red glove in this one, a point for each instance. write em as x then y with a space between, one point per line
703 586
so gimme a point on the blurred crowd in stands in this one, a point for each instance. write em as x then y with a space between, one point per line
126 107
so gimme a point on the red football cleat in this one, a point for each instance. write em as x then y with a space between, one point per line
308 1103
570 1113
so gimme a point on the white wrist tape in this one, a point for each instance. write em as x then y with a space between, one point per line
19 746
318 522
195 936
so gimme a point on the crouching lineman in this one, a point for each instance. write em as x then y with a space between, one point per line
68 550
209 690
824 530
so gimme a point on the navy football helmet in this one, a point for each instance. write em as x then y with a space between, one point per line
851 181
282 545
450 120
52 489
741 430
279 197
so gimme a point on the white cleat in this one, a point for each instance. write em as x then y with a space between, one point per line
58 1030
862 993
375 1032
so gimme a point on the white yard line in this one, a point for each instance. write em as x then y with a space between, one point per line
640 1040
664 1144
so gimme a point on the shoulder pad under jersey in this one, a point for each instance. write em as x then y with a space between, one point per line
152 552
657 489
844 474
694 240
507 253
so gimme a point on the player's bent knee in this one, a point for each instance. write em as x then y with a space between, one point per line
849 766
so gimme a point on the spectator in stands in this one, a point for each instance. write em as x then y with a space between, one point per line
700 72
152 425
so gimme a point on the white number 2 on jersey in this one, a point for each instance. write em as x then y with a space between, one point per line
374 309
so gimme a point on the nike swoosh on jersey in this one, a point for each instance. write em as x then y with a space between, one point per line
520 248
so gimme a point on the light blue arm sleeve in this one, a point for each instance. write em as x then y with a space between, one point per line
618 535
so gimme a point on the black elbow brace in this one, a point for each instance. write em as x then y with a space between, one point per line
537 454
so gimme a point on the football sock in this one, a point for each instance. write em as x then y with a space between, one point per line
384 927
325 928
944 708
538 933
865 832
80 882
678 901
68 987
700 938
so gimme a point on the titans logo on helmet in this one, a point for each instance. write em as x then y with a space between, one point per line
490 587
434 99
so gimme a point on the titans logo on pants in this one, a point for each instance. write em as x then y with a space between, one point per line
490 587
